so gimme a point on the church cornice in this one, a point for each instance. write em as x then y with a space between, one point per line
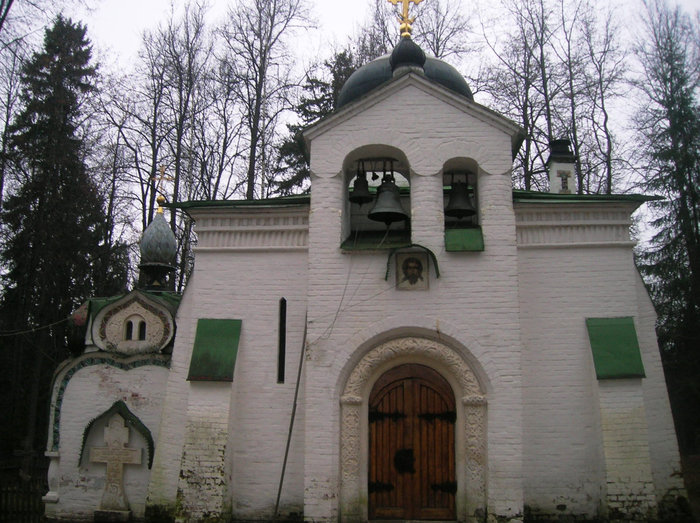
574 224
270 229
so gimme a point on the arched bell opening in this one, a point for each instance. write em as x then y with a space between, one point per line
377 199
461 196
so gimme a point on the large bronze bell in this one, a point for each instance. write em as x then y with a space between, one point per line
387 208
459 205
360 190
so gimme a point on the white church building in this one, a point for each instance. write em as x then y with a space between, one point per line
463 351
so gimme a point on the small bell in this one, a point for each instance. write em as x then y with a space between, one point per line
459 205
388 207
360 190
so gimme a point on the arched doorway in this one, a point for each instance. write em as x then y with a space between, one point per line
411 466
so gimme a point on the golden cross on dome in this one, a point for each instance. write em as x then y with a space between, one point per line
406 22
160 179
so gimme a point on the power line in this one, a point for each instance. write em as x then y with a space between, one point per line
29 331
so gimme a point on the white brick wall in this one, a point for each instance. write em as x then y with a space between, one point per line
516 312
244 423
568 273
665 460
477 292
630 490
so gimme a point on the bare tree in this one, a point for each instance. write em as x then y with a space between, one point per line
442 28
137 110
555 75
607 73
255 35
186 56
519 85
18 19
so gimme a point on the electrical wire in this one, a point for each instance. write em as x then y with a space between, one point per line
5 334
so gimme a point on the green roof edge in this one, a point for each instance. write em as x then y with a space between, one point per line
519 195
302 199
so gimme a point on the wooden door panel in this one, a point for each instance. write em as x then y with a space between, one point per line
411 446
387 416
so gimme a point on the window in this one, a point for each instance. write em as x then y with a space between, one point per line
282 340
128 330
134 328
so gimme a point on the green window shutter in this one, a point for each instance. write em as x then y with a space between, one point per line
457 240
215 350
615 348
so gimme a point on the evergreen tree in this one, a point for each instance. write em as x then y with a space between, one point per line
53 247
321 90
669 125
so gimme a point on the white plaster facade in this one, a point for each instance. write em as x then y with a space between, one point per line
505 327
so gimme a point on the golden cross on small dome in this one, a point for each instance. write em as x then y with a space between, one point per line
163 177
406 22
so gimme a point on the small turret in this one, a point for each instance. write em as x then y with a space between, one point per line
561 166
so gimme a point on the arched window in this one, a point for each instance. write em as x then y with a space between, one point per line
129 330
135 328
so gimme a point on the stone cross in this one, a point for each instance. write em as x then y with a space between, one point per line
115 455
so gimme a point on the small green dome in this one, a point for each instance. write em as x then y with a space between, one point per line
378 71
158 244
406 53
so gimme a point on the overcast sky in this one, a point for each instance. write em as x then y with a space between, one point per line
119 24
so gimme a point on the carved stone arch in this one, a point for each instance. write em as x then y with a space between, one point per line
471 418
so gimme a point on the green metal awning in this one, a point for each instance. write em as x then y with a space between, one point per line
615 348
215 350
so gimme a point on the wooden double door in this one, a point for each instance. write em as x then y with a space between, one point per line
411 446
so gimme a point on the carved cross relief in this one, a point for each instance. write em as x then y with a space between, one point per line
115 455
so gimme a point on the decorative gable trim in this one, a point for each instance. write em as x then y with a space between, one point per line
109 325
574 224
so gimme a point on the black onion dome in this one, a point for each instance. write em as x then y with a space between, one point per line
406 53
378 71
158 244
446 75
